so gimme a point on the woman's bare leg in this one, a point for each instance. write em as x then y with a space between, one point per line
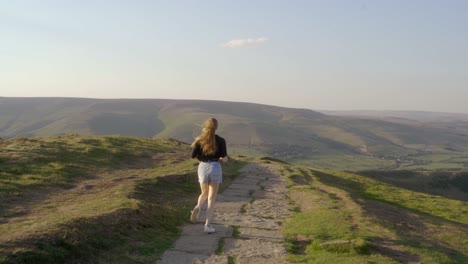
213 190
201 199
204 194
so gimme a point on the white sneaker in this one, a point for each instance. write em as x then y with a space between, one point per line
209 229
195 215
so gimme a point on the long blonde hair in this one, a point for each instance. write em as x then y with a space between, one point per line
207 138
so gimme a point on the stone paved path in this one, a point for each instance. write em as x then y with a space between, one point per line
247 219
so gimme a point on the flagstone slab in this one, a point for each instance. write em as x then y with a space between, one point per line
248 181
204 245
242 186
198 230
223 198
213 259
237 192
246 220
228 207
174 256
252 248
268 208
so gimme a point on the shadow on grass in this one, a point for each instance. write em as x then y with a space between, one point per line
37 169
410 227
128 235
358 190
387 248
144 232
16 196
440 183
16 199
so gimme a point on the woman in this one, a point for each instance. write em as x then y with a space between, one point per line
209 149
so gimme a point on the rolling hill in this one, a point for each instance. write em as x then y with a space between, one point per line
422 116
94 199
115 199
300 136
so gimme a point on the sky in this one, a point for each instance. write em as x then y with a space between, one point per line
321 55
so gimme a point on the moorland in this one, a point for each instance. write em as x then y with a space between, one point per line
111 181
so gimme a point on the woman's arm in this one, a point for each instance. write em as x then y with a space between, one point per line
196 151
223 150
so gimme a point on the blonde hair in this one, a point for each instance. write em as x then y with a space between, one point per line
207 138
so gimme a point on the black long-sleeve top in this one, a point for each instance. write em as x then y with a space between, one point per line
221 151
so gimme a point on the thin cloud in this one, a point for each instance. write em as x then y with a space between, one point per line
238 43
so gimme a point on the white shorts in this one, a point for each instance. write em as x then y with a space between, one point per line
210 172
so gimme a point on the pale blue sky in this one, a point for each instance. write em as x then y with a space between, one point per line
334 55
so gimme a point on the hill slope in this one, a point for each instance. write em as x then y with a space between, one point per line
94 199
295 135
421 116
346 218
113 199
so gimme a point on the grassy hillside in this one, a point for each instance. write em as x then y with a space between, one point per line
299 136
114 199
453 185
422 116
94 199
346 218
